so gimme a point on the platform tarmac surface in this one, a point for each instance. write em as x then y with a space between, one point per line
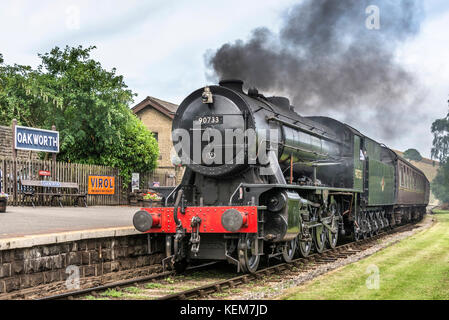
19 222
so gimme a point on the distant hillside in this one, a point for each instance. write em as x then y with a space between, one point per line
429 167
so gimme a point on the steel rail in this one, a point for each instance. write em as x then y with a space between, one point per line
119 283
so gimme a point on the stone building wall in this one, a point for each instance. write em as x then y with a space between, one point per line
159 123
156 121
6 145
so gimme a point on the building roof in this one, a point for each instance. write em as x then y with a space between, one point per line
165 107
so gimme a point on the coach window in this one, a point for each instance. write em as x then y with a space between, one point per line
402 175
405 177
408 177
414 180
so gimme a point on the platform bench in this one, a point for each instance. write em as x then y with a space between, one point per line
29 191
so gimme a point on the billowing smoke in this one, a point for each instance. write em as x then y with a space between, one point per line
333 57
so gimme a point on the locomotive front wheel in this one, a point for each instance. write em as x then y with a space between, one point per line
249 258
304 248
289 250
319 238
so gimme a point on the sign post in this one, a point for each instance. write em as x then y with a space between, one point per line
14 162
53 128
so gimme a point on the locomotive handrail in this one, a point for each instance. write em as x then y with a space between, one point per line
292 186
171 194
268 103
233 194
291 125
304 150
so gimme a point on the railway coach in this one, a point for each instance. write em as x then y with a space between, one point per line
263 182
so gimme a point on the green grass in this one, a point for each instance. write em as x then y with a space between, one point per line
414 268
112 293
133 290
170 280
153 285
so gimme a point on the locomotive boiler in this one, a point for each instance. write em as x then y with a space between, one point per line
263 182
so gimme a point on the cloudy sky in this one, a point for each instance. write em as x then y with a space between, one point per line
159 45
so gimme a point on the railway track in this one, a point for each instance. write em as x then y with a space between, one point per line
198 283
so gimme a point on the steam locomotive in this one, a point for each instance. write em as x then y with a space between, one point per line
263 182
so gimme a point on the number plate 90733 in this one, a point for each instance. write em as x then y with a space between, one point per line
209 119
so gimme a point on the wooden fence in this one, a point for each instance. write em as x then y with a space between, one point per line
164 179
13 171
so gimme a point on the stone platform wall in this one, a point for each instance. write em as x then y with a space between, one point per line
24 268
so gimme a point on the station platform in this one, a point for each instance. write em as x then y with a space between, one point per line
22 227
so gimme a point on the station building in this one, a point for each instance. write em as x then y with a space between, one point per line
157 115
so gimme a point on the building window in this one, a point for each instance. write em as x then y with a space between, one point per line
156 136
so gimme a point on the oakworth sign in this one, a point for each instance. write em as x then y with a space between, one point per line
36 139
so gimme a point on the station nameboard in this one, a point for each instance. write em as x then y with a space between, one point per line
36 139
101 185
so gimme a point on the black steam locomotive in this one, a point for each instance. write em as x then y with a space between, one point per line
262 182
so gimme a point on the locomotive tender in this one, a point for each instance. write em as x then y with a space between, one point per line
282 186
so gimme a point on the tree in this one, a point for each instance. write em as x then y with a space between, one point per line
412 154
440 184
440 151
88 105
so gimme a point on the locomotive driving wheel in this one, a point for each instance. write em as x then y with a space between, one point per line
289 250
248 254
332 233
375 228
357 233
319 238
332 237
304 248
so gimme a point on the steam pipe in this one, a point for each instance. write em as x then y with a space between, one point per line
179 230
175 212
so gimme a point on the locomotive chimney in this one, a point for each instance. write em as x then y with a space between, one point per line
233 84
